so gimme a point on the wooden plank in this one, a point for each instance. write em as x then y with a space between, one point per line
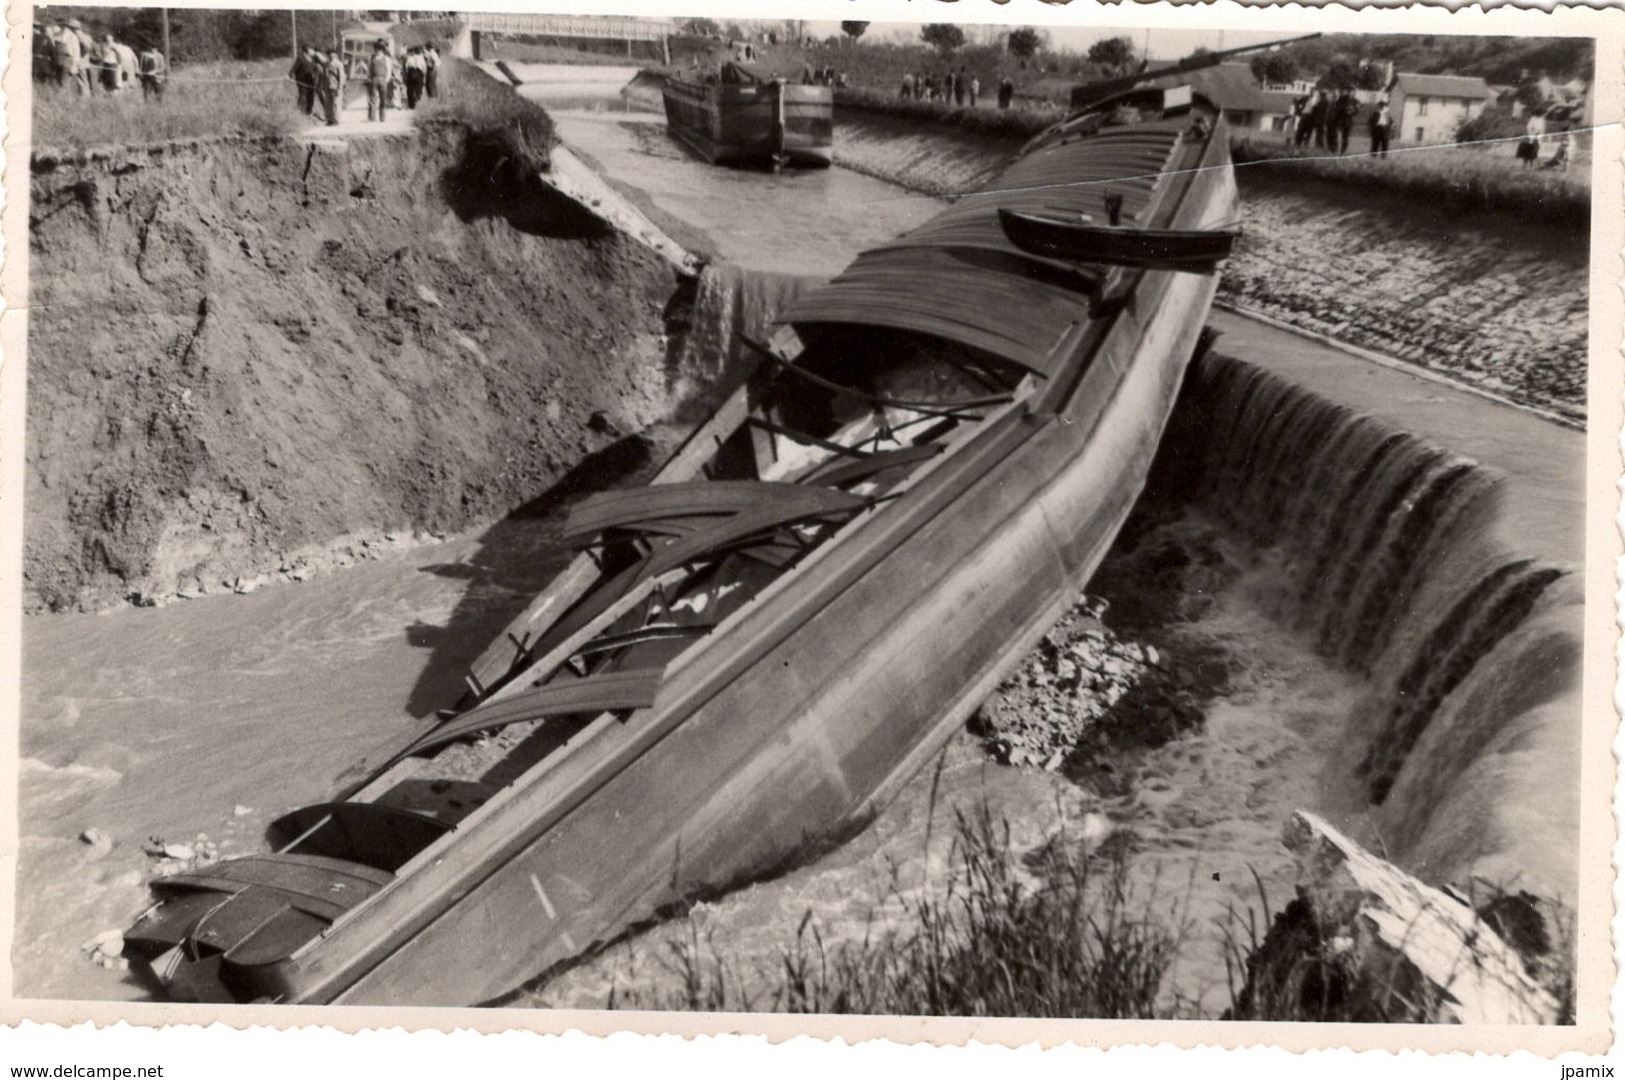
628 506
699 447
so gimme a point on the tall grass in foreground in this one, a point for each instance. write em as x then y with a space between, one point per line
505 125
201 101
1066 932
1057 933
1444 177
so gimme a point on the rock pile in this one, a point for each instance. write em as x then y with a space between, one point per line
1085 690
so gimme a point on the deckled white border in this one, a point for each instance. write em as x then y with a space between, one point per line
218 1051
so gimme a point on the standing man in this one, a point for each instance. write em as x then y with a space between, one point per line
331 87
380 74
303 74
154 73
1343 114
66 59
959 85
413 71
1320 118
1381 128
431 73
107 65
1007 92
975 90
87 56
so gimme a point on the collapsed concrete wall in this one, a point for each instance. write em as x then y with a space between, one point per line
242 350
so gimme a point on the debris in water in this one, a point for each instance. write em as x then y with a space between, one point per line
99 841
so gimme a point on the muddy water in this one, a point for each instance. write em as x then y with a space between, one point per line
804 221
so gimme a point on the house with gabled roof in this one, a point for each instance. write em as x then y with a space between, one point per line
1246 104
1429 108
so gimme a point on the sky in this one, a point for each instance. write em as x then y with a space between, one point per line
1166 43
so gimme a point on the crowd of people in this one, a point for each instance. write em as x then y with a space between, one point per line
320 77
823 75
1326 120
961 87
66 54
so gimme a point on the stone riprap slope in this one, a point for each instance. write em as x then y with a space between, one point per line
1485 300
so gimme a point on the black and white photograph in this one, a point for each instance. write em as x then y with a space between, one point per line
758 521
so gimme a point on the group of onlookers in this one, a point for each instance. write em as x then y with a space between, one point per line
1539 129
962 87
66 54
1327 120
823 75
320 78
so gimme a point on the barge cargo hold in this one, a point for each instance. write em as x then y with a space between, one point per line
748 117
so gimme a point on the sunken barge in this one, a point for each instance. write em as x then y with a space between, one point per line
759 648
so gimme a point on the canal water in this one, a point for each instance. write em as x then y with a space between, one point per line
197 722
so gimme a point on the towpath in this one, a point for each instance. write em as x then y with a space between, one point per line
353 121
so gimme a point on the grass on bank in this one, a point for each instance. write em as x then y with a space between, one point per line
1444 177
1066 932
201 101
503 122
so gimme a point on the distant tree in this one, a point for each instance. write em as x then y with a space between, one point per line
1371 76
1339 76
1345 74
853 29
1023 42
701 27
1117 52
735 32
1199 52
1273 68
944 37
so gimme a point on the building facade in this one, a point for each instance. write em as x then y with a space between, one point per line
1429 108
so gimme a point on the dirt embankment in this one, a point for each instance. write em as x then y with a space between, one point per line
245 352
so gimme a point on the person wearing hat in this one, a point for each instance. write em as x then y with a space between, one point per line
70 55
304 75
380 74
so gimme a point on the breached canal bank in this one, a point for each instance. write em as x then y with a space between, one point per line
116 763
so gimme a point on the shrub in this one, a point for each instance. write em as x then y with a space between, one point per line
507 127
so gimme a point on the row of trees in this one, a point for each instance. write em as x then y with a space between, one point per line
202 35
